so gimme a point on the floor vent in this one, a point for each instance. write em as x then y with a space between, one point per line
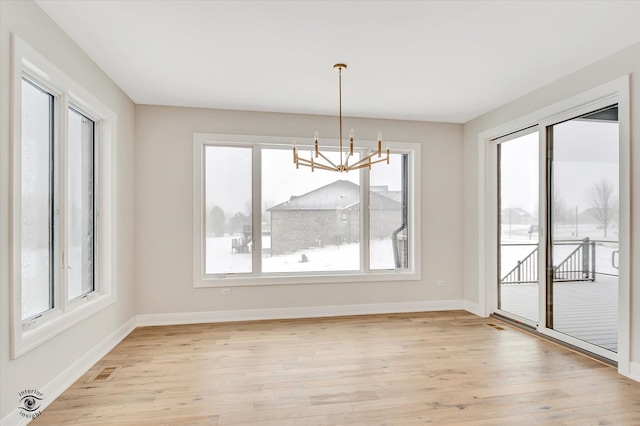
497 327
106 374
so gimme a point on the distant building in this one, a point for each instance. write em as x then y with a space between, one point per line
517 216
330 215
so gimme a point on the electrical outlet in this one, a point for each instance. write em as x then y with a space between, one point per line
225 291
441 283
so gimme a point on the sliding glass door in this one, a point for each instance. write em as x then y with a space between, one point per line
558 229
518 225
583 245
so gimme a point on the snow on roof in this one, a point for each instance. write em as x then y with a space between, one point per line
338 195
516 211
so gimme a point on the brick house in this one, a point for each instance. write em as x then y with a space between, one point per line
329 215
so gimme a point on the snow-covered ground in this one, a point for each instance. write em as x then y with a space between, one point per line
345 257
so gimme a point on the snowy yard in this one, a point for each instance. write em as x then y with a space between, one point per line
345 257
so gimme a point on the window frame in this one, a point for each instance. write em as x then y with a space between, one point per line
31 332
26 79
95 243
257 278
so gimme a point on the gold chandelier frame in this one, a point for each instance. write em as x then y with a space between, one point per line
323 163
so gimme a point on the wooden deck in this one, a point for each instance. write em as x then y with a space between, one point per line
585 310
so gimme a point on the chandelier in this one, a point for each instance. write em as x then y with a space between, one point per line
318 160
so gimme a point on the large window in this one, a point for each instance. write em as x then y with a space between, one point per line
40 204
258 218
63 195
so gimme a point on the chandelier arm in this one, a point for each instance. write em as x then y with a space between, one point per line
361 166
367 159
327 160
381 160
307 163
362 160
325 167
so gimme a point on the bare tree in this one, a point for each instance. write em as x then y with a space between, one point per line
266 214
603 202
559 209
215 222
248 208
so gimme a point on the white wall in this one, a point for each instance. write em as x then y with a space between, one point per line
164 212
40 367
622 63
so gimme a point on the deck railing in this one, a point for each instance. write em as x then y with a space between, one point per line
525 272
578 265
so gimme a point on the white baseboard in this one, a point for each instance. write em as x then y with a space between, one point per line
473 308
73 372
293 313
634 371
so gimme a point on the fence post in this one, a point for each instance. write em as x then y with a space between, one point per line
518 279
593 261
585 257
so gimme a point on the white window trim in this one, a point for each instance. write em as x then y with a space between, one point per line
26 336
200 140
615 91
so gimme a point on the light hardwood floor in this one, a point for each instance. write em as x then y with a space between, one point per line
444 368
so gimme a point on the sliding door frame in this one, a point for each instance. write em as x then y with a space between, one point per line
613 92
545 325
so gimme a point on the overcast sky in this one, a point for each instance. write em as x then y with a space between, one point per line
584 153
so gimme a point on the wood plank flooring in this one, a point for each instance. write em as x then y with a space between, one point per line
443 368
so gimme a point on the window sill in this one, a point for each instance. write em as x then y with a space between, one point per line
49 326
239 280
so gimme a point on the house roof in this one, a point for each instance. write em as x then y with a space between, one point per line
338 195
517 211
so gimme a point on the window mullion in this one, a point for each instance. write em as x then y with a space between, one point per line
54 129
365 219
61 177
256 210
96 212
97 208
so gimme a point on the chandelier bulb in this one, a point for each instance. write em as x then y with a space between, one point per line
315 136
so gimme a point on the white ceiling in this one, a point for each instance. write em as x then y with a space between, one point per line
434 60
